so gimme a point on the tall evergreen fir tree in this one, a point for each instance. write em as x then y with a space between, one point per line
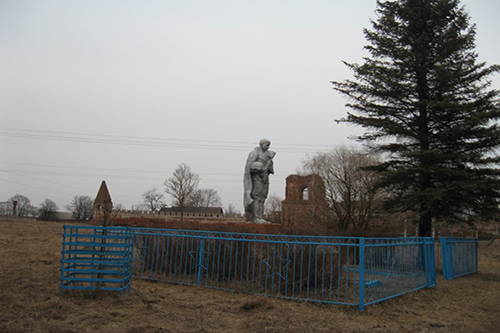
424 100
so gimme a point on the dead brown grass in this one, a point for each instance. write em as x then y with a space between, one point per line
30 302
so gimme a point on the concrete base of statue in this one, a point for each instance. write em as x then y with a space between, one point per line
259 221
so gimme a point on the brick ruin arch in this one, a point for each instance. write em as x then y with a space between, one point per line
304 203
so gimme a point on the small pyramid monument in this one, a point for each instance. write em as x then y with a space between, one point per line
102 200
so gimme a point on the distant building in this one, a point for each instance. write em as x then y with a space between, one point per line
63 216
192 212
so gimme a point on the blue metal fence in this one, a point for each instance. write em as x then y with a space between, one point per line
459 256
337 270
96 258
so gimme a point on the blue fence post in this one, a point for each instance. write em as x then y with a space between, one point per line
444 257
200 261
430 262
446 252
450 249
476 255
361 280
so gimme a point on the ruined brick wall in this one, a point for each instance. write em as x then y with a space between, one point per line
149 219
304 205
216 224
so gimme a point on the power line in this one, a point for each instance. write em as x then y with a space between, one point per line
102 169
153 141
59 173
80 175
50 182
152 138
42 180
275 180
33 186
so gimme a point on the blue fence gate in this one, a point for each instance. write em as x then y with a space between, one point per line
459 256
96 258
395 266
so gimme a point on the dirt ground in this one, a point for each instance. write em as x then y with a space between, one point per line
30 254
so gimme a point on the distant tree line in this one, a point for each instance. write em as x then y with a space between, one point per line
18 205
81 208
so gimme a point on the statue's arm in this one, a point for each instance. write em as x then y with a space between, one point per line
270 163
252 157
271 167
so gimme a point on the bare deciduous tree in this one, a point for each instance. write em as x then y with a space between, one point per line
47 210
205 198
273 208
350 189
81 208
231 211
108 213
273 204
153 199
140 206
5 208
181 186
23 206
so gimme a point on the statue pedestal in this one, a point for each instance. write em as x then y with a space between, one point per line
259 221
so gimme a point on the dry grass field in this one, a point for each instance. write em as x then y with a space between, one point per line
30 302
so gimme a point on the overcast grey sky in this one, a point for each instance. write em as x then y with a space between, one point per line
126 90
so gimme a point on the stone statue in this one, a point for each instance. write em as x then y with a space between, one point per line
256 181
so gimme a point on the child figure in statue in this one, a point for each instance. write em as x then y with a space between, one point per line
256 181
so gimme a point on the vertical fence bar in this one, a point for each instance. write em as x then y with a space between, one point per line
447 254
476 257
362 266
445 257
451 262
430 262
200 261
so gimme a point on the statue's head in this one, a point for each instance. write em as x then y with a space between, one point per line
265 144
